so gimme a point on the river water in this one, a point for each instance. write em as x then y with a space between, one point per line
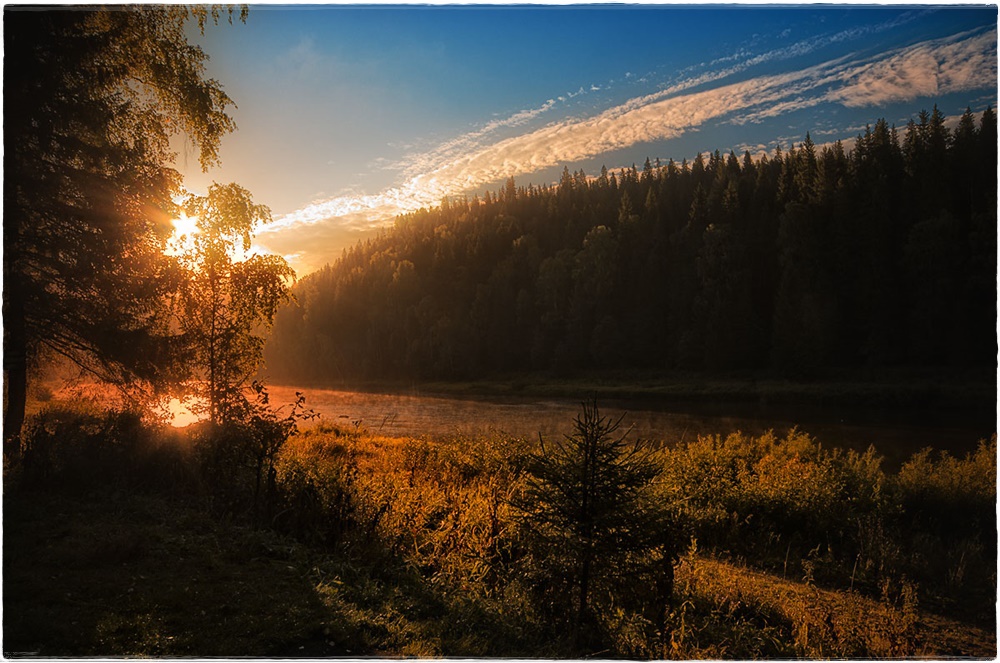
894 435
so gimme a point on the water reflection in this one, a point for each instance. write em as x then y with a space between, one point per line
896 437
179 412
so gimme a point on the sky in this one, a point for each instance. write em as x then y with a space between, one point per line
351 115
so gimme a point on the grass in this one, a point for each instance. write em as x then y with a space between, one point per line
118 574
145 575
810 622
794 619
119 541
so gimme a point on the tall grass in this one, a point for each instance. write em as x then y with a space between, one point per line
794 549
792 506
805 513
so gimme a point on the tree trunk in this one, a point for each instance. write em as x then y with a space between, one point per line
15 362
584 590
15 338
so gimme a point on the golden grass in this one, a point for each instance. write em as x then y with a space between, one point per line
410 547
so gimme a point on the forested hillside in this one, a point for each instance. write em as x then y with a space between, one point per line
812 257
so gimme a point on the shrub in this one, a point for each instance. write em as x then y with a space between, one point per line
947 525
314 472
238 453
442 506
74 448
950 496
766 498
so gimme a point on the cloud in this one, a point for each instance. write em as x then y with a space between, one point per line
628 124
964 63
422 162
310 247
959 63
794 50
926 70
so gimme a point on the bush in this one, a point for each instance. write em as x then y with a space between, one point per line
72 449
951 497
947 525
442 506
529 540
314 474
238 453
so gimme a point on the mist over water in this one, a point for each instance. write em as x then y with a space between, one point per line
413 415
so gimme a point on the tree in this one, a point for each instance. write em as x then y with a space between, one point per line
92 98
726 323
589 512
805 315
225 304
796 261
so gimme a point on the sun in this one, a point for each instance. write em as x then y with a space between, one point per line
182 239
185 225
180 414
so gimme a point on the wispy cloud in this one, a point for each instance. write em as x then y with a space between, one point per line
959 63
925 70
420 163
745 61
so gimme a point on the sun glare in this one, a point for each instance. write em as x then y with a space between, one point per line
180 414
181 241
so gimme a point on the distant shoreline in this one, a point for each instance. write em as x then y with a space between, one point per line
922 394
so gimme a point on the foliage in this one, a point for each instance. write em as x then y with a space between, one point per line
947 524
802 261
444 505
785 505
589 520
226 305
93 97
954 496
835 517
238 454
75 449
760 615
382 546
815 518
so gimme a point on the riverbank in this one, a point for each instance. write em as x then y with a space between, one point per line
155 577
901 388
920 396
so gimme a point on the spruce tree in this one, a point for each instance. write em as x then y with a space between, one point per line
590 517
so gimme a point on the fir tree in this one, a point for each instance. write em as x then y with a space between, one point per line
589 513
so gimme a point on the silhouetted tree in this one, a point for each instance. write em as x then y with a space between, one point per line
91 100
227 305
589 512
799 260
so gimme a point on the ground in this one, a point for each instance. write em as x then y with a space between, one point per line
112 573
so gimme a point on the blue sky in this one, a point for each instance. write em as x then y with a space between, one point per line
349 115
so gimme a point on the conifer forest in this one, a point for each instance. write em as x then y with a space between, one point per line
799 261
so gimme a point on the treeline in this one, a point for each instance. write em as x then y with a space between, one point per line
881 255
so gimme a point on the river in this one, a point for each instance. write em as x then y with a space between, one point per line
895 435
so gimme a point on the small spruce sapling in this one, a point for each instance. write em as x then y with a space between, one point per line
590 516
